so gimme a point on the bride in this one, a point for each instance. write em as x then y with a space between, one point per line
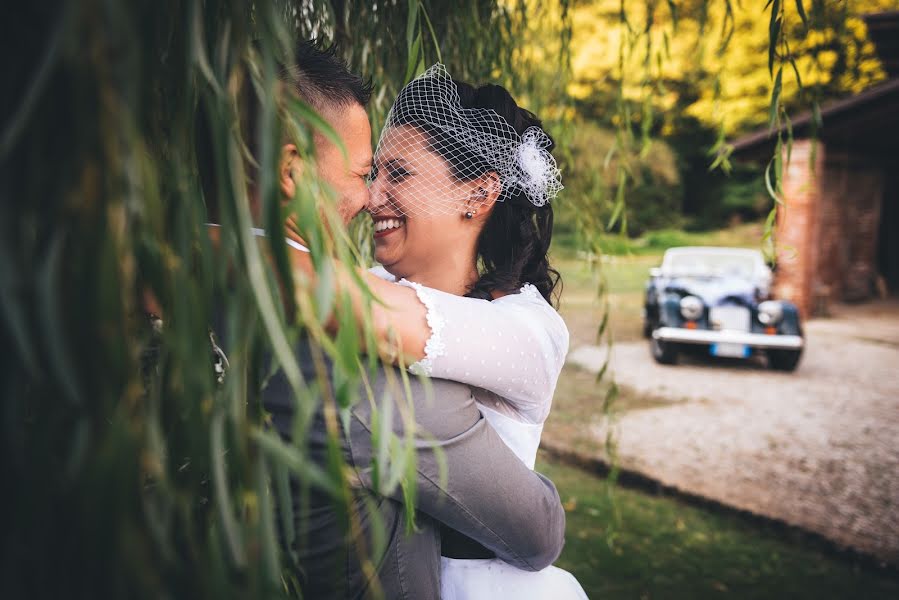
460 199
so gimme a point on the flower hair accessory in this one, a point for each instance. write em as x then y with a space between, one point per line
427 120
538 176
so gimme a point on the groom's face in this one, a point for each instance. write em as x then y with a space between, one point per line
346 176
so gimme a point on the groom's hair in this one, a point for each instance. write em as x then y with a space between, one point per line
323 80
318 76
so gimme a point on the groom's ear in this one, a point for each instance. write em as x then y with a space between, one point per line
290 169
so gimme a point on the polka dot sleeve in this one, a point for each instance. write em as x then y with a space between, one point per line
514 346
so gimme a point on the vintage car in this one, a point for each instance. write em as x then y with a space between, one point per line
716 301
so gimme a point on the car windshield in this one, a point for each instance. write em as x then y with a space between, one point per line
710 264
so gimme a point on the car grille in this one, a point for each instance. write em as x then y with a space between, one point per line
733 318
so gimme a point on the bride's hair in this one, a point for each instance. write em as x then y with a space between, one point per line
514 244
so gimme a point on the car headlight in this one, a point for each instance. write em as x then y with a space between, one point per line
771 312
691 307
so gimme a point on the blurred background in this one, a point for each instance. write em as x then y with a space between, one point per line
769 126
736 480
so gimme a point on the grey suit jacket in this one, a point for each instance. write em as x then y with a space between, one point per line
488 495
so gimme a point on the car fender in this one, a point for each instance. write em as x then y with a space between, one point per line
669 310
791 325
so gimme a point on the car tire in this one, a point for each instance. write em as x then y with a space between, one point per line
664 353
784 360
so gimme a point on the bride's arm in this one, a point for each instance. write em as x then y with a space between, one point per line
399 319
514 346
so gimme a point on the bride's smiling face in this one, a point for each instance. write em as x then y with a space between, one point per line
417 205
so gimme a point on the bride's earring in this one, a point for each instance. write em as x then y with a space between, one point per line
470 214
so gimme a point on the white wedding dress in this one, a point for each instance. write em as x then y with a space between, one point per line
510 351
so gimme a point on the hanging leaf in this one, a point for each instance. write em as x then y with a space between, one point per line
774 28
801 11
774 109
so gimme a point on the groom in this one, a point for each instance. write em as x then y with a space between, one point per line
489 496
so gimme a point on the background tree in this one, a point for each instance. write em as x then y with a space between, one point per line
696 73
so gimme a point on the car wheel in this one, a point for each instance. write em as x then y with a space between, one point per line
663 352
784 360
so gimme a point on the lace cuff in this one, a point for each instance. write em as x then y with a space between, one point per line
531 291
434 347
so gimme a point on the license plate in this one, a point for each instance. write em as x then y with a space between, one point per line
730 350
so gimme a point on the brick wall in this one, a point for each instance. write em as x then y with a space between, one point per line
827 229
849 218
797 226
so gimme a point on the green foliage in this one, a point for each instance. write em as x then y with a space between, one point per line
695 74
654 243
720 49
128 464
590 162
665 548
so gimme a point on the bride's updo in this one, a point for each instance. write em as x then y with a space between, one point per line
514 244
479 131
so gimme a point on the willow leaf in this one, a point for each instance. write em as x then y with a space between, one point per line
222 493
774 27
19 119
774 108
293 460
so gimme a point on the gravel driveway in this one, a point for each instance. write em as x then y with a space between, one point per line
818 448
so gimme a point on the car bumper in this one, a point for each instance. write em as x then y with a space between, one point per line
706 336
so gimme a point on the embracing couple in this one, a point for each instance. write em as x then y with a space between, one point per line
459 190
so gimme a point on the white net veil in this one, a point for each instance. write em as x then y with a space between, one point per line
436 157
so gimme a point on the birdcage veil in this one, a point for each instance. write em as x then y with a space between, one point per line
428 117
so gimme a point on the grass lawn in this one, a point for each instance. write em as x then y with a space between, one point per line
664 548
625 278
746 235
